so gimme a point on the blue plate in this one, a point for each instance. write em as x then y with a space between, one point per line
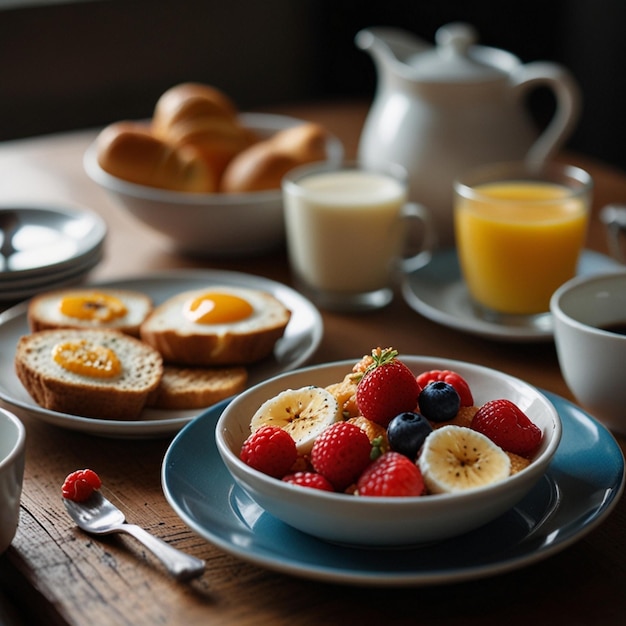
581 487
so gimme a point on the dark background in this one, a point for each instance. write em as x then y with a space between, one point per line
68 65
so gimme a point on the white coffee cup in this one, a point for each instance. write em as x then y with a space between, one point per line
12 458
348 229
589 315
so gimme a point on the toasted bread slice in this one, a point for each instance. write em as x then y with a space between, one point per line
59 387
184 337
184 388
94 307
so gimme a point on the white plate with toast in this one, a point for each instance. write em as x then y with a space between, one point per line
300 340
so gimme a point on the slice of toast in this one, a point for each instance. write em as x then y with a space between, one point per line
56 387
119 309
184 388
183 341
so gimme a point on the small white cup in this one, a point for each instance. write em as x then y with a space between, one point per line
348 231
593 357
12 458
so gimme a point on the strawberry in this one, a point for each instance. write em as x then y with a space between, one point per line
386 388
508 427
309 479
452 378
341 453
270 450
393 474
79 485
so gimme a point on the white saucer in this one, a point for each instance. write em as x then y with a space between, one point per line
438 292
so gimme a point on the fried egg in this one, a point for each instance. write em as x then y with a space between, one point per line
216 325
90 308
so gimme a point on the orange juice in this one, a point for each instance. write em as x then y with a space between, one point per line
518 242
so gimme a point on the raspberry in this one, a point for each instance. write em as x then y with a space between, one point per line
452 378
311 480
387 388
508 427
270 450
393 474
79 485
341 453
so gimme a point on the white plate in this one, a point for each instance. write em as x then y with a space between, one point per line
15 291
302 337
50 239
581 487
438 292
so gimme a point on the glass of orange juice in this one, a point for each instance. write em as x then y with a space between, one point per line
520 228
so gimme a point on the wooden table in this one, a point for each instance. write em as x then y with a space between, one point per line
58 575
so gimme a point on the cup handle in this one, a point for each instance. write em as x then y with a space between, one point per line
568 100
613 217
416 212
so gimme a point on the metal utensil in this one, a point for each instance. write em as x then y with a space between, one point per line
613 216
9 225
99 516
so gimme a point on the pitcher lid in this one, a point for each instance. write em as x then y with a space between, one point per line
456 58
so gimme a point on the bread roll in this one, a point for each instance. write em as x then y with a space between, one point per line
188 102
262 166
203 117
130 151
120 309
242 332
81 388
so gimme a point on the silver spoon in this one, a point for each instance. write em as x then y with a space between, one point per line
99 516
9 225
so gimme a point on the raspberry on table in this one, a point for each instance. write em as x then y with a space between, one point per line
79 485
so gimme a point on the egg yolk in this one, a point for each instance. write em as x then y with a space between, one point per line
81 357
93 306
217 308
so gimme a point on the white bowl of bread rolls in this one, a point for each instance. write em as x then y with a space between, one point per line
204 175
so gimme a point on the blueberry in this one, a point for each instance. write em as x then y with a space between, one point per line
406 433
439 401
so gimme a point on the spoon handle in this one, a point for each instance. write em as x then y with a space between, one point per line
182 566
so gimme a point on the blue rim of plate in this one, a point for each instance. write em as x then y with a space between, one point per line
581 487
438 292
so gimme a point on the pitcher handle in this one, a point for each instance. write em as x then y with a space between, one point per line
568 104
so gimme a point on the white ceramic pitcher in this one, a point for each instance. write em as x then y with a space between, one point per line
441 110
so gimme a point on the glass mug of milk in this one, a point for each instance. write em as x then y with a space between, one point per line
520 229
348 231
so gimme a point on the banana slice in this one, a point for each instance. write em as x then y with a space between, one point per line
304 413
456 458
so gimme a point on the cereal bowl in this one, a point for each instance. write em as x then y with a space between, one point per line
209 224
12 458
385 521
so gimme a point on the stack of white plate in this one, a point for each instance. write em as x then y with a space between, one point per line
43 248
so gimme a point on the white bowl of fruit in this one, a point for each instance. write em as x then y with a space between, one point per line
389 450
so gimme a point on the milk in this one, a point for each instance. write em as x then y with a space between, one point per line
344 229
